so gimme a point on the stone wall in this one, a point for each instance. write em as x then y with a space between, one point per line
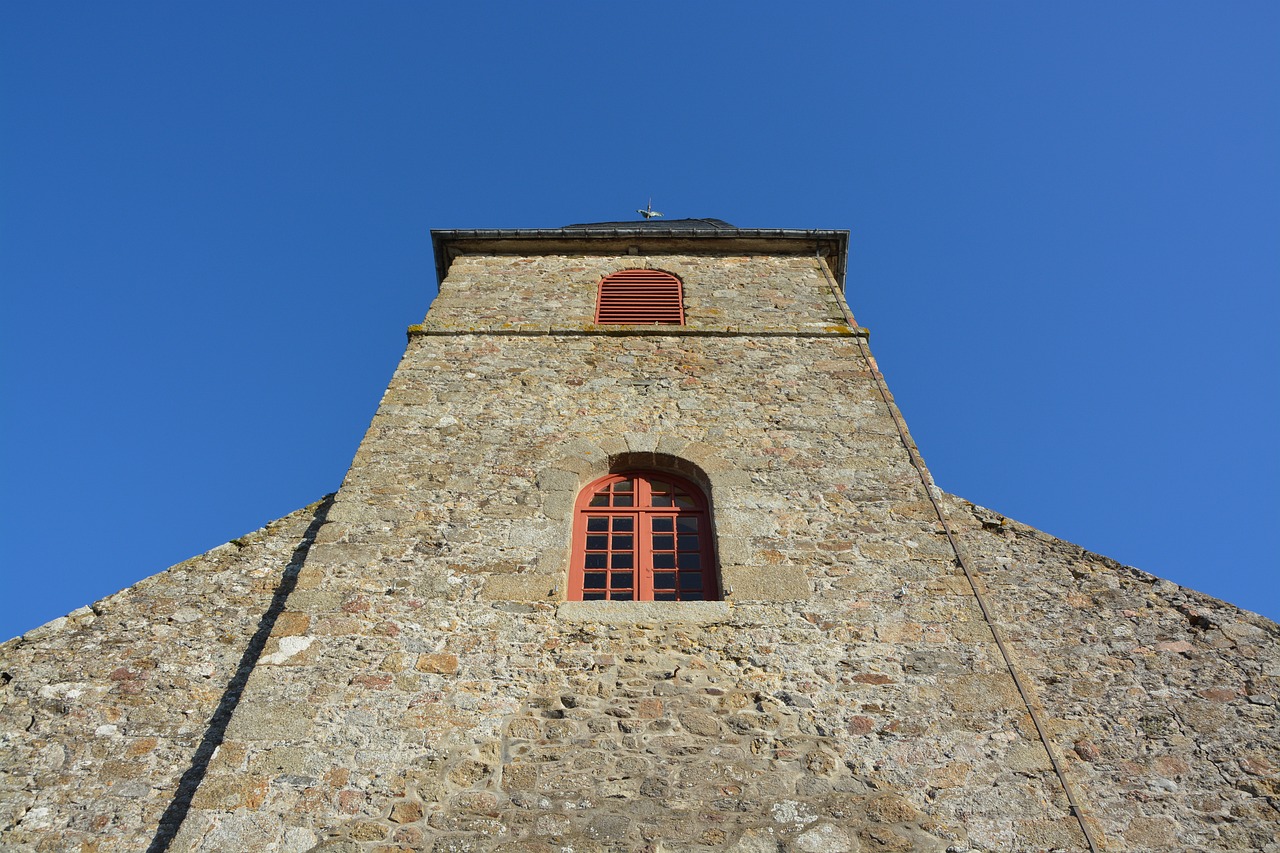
103 710
1163 700
425 686
559 291
829 704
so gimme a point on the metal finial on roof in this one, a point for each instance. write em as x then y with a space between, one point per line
649 212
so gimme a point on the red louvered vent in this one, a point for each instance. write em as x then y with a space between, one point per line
640 297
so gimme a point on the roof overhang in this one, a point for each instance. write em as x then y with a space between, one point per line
643 239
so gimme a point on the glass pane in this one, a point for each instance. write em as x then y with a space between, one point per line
624 486
684 500
687 524
690 561
623 523
621 580
620 596
688 542
594 580
662 500
692 595
622 561
664 561
599 523
622 500
664 596
691 580
599 500
664 580
664 543
597 543
622 542
596 561
593 596
663 525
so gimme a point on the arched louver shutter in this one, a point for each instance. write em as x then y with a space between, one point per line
641 297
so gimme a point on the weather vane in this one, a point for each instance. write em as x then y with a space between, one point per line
649 212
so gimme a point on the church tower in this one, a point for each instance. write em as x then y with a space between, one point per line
638 554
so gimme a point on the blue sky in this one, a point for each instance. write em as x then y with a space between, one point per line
214 230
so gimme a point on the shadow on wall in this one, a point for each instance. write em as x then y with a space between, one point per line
177 809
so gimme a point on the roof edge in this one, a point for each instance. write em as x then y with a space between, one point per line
447 243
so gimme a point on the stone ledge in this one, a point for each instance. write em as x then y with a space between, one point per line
836 330
651 612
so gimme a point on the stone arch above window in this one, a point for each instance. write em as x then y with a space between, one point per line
640 297
643 536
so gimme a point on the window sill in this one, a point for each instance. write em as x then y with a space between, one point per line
645 612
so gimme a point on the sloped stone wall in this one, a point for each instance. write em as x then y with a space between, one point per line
431 658
102 711
1163 700
500 726
656 745
425 687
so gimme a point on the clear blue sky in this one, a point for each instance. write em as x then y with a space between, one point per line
214 229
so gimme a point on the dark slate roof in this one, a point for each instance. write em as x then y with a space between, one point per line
656 224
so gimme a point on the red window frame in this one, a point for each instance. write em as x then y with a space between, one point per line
642 536
640 297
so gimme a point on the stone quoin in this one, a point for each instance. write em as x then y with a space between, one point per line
679 583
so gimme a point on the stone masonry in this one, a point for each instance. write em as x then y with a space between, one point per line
398 668
104 709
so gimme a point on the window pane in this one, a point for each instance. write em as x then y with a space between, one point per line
620 552
691 580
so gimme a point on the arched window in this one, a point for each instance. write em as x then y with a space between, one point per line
642 536
640 297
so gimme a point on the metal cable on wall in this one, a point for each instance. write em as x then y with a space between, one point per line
925 480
